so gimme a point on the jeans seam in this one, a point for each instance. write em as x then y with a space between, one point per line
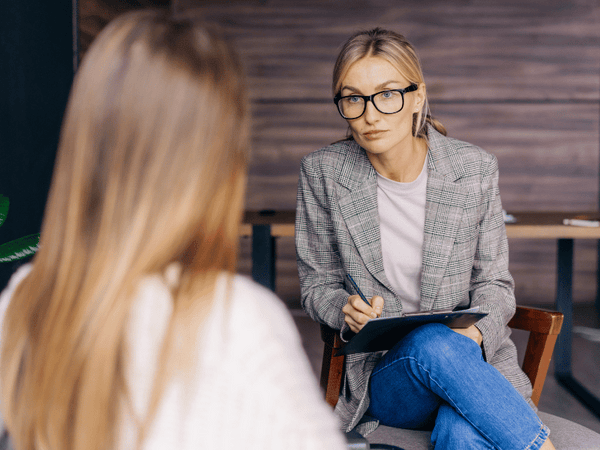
542 434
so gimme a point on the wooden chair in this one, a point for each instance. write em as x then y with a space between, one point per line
543 326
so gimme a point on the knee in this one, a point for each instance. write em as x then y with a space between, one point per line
438 342
429 338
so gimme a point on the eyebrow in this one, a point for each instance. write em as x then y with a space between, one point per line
379 86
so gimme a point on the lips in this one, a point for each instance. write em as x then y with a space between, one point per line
373 134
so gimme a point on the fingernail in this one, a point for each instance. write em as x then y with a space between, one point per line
373 315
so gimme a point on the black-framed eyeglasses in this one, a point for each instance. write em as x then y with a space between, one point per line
390 101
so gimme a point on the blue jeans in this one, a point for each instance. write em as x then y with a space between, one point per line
435 377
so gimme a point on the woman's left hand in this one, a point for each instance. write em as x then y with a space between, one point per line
471 332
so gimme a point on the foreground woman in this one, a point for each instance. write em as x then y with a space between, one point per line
130 329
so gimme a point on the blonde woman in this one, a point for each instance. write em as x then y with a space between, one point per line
415 218
129 329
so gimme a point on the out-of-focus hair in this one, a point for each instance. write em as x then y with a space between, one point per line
396 50
151 170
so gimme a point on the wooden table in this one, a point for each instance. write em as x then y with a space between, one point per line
549 225
265 226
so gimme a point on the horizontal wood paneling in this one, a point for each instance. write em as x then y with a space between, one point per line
282 135
548 157
519 78
471 50
548 154
95 14
533 266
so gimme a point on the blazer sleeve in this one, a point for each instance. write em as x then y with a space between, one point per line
492 286
319 265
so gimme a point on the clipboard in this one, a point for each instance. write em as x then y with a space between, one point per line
384 332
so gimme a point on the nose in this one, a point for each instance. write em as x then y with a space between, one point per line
371 113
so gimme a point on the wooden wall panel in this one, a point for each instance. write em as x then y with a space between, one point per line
282 135
548 154
95 14
519 78
533 266
471 50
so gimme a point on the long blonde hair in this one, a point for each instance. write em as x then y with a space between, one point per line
395 49
151 170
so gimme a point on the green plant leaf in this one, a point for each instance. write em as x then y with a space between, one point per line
19 248
3 208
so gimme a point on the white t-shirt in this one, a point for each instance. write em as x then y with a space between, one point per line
401 208
253 388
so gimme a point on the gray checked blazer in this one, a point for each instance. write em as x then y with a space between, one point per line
465 252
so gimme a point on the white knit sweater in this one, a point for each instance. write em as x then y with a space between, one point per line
253 387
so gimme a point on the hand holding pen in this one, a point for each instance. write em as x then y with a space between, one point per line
358 311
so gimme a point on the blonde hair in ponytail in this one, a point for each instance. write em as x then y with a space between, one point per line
151 170
395 49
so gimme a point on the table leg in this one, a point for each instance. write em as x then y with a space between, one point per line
263 256
598 281
562 352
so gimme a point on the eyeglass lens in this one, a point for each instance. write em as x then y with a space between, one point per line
387 102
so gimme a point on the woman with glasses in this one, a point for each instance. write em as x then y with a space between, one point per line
130 329
415 218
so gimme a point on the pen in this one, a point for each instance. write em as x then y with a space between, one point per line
581 222
358 289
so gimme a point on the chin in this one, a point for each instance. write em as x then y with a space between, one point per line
375 148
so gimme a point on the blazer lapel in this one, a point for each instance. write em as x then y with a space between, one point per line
445 200
358 206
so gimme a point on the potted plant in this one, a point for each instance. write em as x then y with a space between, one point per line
17 248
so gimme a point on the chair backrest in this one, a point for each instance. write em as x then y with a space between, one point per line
543 326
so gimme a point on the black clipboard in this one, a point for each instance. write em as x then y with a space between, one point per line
383 333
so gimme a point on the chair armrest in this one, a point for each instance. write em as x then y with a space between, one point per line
332 369
544 327
537 320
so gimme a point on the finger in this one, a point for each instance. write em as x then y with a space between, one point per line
377 304
471 332
462 331
359 304
354 326
357 316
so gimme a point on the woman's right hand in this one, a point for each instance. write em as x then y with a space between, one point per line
357 313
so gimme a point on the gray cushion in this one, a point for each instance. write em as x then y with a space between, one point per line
564 434
567 435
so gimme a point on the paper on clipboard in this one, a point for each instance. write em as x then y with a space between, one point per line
383 333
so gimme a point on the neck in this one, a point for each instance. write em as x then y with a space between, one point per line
403 166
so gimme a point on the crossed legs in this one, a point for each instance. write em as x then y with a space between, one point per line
437 378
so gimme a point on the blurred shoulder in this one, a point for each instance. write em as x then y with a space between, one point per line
251 301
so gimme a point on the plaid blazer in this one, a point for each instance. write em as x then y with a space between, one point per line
465 252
